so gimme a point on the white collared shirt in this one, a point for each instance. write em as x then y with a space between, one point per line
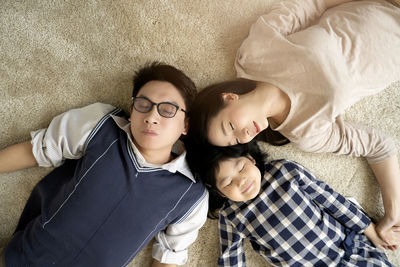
65 138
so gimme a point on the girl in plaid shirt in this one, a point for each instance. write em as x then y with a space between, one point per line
289 217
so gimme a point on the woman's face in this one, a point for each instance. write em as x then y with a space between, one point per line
238 179
237 122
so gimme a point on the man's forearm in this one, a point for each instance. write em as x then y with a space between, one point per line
17 157
156 263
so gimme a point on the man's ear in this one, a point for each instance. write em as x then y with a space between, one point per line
229 97
186 129
130 112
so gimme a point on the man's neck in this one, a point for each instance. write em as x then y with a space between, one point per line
157 157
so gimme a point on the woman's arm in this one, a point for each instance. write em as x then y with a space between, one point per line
17 157
387 174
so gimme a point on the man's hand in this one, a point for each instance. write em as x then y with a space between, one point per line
17 157
156 263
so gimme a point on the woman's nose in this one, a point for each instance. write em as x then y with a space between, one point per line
245 136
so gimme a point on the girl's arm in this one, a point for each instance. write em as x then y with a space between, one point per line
17 157
338 206
352 139
232 249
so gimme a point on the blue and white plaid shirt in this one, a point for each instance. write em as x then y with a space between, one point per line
296 220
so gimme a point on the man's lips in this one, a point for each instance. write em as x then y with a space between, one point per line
248 188
149 132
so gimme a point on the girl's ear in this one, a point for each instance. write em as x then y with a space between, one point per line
222 195
229 97
215 190
251 159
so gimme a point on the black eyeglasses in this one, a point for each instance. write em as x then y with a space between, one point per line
166 109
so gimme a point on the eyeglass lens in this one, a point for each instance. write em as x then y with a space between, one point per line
144 105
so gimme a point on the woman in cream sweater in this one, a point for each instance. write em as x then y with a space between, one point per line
300 67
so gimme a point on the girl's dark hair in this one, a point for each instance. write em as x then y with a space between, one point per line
204 163
157 71
209 102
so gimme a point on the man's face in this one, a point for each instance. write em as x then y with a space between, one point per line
152 132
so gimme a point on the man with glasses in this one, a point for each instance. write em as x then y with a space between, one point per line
119 181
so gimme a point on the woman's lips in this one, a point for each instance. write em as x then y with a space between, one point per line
248 188
257 127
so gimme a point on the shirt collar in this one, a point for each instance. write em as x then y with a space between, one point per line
178 164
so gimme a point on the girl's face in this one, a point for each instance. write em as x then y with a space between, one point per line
238 179
238 122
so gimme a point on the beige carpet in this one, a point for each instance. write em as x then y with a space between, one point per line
57 55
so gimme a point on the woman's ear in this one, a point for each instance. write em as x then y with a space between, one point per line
229 97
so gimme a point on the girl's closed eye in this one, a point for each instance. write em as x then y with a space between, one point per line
229 184
242 168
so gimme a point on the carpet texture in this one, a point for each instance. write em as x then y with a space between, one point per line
58 55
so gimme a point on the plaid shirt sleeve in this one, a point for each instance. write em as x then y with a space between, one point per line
337 205
232 250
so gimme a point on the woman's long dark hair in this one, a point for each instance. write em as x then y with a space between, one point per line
209 102
204 163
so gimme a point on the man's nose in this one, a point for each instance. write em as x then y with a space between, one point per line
152 117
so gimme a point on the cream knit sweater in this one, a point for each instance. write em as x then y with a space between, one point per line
326 60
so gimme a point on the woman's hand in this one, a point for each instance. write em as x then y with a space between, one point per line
387 174
388 231
392 234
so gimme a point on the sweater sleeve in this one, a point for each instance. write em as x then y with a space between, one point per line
171 244
272 40
347 138
291 16
66 135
